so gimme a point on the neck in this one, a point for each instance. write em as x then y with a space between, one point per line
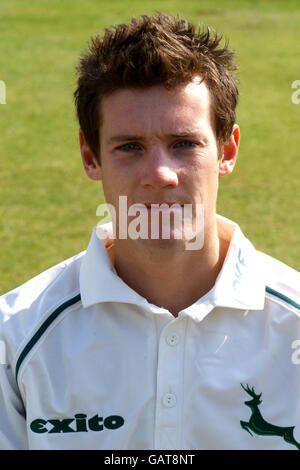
171 279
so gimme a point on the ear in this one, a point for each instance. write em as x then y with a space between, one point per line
90 162
230 152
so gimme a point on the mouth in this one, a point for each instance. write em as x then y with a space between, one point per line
163 205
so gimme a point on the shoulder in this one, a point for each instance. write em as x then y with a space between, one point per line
24 309
282 282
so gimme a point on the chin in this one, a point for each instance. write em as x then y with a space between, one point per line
161 244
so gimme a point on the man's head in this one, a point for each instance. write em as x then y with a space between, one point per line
153 51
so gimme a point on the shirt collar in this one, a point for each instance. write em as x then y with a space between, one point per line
238 285
99 281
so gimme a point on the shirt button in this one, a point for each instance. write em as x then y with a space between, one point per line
169 400
172 339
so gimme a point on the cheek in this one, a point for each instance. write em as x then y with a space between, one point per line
117 181
203 170
202 181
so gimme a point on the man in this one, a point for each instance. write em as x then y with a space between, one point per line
149 342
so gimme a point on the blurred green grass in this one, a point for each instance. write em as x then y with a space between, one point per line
48 205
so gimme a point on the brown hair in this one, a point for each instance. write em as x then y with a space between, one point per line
151 51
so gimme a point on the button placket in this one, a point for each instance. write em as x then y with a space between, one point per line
169 384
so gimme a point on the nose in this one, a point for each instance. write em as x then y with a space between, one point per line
158 170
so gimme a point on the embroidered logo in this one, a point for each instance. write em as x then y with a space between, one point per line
258 425
82 424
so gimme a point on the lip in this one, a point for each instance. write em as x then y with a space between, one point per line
159 203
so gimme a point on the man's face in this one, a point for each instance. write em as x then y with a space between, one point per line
159 146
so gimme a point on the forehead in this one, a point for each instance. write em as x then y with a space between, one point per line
156 108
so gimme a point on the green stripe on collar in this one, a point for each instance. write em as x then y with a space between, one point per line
282 297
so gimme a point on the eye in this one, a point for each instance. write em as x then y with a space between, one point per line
185 144
128 147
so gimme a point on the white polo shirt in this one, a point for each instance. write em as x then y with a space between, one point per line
87 363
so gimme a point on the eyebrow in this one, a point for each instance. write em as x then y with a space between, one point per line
184 133
191 133
122 138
